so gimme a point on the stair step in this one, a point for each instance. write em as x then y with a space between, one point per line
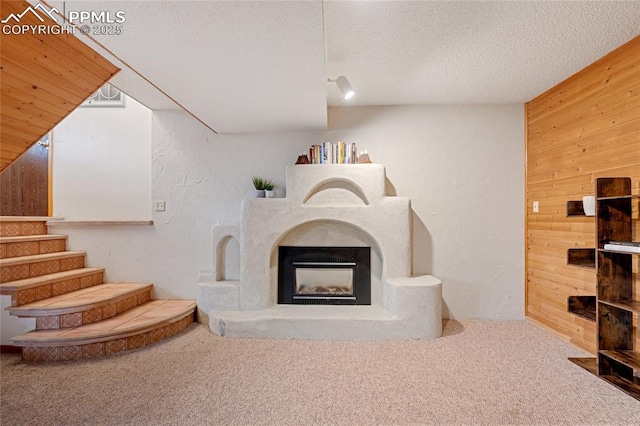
21 238
18 268
30 290
39 258
135 328
11 287
84 306
25 245
11 226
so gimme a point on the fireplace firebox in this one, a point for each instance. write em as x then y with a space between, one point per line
324 275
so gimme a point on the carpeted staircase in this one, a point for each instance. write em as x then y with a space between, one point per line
77 314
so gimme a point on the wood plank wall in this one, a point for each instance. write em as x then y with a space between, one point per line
43 78
24 189
585 127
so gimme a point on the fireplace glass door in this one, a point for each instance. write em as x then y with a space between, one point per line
324 275
318 279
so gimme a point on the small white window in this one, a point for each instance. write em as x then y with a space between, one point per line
106 96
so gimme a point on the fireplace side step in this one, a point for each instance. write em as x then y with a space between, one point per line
355 322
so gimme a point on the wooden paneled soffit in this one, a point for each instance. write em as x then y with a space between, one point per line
46 72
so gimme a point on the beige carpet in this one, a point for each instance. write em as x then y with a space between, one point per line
481 372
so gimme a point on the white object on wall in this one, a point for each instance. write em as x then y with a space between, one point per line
589 205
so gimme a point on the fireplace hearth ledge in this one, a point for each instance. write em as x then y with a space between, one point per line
404 307
414 302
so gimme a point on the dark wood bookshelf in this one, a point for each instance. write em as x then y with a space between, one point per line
617 362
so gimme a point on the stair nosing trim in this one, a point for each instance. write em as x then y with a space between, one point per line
9 287
106 336
35 258
44 312
28 218
29 238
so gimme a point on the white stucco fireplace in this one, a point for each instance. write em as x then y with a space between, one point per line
331 206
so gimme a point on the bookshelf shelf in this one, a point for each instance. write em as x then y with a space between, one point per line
618 197
588 363
629 358
582 306
584 257
575 208
631 388
629 304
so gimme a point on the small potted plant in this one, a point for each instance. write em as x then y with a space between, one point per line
258 185
268 188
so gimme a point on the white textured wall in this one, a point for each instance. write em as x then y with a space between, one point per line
102 164
462 167
12 326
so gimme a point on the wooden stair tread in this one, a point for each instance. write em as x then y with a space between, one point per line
80 300
12 261
10 287
25 238
146 317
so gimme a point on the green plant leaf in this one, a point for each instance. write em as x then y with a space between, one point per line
258 182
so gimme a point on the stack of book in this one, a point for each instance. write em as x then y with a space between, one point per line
333 153
626 246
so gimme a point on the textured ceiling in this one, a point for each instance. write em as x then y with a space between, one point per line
262 66
440 52
237 66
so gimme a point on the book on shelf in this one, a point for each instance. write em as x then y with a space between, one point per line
625 246
625 243
333 153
